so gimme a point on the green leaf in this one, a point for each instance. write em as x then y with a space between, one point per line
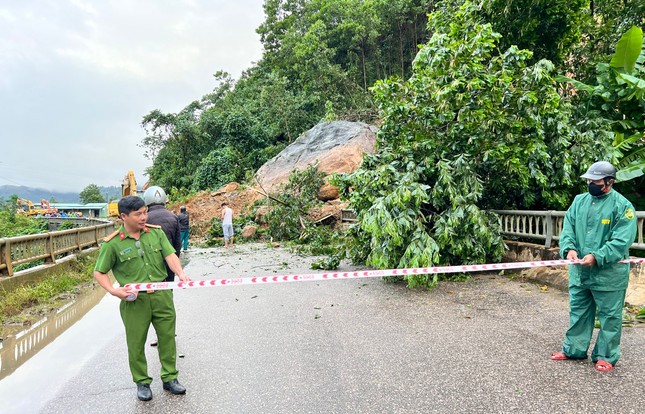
578 85
628 49
632 80
632 171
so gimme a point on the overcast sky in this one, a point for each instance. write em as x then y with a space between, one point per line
77 76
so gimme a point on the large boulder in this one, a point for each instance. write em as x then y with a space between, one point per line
337 146
327 192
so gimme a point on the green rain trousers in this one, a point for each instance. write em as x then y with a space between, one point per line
605 227
156 308
582 318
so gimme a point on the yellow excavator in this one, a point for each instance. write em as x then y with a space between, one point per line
128 188
28 208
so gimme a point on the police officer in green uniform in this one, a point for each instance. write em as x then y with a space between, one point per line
599 228
136 253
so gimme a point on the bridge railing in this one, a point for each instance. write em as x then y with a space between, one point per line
55 222
532 225
547 226
15 251
17 349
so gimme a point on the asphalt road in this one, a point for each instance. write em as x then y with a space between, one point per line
356 346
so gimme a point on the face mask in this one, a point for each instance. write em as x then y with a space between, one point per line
595 189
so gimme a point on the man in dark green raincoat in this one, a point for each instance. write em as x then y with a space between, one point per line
599 228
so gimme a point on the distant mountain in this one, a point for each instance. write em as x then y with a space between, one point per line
35 194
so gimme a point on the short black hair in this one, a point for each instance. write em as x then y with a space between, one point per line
128 204
224 204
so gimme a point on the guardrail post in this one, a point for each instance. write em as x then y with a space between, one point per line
7 257
3 271
50 249
549 228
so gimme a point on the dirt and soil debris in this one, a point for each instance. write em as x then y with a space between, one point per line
206 206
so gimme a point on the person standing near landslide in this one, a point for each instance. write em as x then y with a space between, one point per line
136 253
184 226
227 225
599 228
156 199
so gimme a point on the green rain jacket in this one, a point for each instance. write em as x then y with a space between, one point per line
604 226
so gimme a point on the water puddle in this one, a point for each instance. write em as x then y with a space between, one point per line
18 348
22 344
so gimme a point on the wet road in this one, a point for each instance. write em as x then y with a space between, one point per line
336 347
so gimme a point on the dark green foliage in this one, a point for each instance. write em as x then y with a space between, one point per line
219 167
471 130
316 52
323 240
478 124
604 23
91 194
215 235
13 224
547 27
287 220
66 225
46 294
329 263
618 99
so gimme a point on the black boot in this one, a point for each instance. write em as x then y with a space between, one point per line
144 393
174 387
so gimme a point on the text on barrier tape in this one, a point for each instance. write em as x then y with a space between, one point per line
260 280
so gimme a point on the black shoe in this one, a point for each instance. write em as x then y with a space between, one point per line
144 393
153 343
174 387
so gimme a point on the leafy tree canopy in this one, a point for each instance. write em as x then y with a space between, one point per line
91 194
472 129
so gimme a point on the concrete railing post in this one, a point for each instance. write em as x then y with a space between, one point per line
549 228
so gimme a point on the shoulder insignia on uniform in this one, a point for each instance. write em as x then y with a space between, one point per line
154 226
629 214
110 236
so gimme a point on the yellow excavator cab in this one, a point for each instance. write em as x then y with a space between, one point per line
128 188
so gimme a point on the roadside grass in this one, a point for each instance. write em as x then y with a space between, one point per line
23 305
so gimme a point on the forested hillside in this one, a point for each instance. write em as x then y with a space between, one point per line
321 57
483 104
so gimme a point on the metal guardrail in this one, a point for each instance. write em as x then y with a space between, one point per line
530 224
55 222
25 249
547 225
17 349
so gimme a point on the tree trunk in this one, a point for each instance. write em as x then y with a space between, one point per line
364 73
401 50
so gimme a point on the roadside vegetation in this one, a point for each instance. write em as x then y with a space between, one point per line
13 224
29 303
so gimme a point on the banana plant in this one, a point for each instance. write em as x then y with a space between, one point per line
619 96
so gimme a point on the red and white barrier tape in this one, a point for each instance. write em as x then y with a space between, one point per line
261 280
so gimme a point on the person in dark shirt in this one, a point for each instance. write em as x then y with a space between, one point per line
155 198
184 226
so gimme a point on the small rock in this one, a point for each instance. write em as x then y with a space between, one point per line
249 231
